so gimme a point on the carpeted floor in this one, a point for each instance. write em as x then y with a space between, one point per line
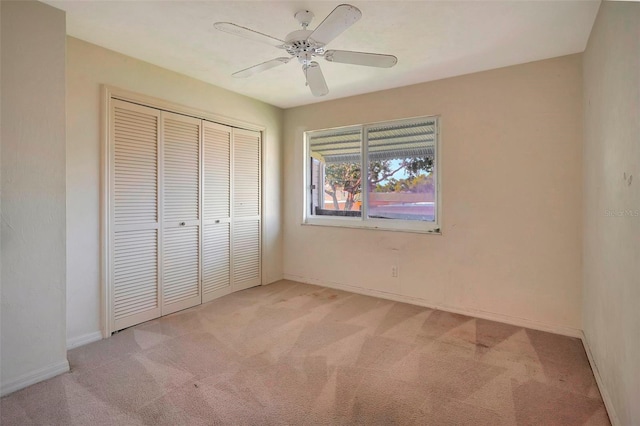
290 353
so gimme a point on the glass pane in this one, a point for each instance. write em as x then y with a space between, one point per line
342 189
335 172
401 183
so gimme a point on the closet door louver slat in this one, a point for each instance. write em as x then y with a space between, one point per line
134 213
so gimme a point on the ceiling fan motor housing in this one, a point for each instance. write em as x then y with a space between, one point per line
299 45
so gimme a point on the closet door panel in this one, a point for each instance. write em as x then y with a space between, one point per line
181 212
246 242
216 247
134 214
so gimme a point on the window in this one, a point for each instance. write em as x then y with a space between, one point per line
381 175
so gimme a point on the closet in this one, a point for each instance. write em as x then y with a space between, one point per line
183 211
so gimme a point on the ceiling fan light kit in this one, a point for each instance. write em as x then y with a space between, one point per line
305 45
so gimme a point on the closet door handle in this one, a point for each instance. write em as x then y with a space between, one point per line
182 223
217 220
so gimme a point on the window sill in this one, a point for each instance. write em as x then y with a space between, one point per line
357 223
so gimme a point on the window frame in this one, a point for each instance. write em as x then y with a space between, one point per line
363 222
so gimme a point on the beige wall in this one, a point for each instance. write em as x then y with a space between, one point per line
511 144
612 205
33 194
89 66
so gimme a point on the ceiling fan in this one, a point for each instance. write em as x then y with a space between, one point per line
305 45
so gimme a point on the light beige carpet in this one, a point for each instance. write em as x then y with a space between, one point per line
292 353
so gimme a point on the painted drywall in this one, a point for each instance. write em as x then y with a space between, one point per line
611 314
510 249
89 66
33 194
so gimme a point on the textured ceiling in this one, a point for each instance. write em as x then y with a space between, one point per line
432 40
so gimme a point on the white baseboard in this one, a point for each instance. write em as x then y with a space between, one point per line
492 316
74 342
34 377
606 398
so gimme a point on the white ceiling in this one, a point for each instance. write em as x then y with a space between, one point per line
432 40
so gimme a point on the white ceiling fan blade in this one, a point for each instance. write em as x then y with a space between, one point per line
333 25
248 72
361 58
234 29
315 79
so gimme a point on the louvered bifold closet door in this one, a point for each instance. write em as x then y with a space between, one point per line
216 212
181 212
246 235
133 213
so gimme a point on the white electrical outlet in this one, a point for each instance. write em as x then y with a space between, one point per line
394 271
